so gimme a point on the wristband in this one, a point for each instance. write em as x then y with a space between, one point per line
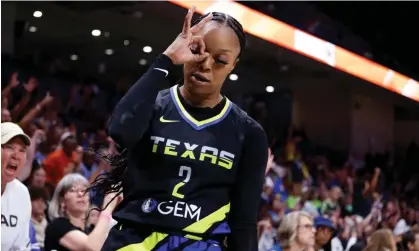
106 215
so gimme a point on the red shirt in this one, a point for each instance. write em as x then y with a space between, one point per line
55 164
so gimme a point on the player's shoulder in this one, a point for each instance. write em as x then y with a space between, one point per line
163 97
243 119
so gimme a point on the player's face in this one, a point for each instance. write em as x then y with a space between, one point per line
222 44
13 156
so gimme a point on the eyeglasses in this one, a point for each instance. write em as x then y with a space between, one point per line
77 190
307 226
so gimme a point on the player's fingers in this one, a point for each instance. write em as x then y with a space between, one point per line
200 57
198 43
197 27
188 20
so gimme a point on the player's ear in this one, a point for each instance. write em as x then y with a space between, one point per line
235 63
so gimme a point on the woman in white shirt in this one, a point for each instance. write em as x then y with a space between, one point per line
15 200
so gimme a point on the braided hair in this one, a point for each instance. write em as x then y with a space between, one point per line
111 182
228 21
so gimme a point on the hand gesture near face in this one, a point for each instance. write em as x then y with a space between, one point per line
180 50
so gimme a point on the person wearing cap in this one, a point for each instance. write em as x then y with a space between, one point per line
325 232
15 199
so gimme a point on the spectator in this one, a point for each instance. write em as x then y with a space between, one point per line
38 219
89 165
15 200
296 232
363 190
76 165
410 241
5 115
325 233
278 209
67 212
37 177
382 239
32 236
331 204
30 156
266 233
56 163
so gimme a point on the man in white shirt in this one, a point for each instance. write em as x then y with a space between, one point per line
15 199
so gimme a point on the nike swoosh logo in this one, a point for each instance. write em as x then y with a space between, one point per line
167 121
163 70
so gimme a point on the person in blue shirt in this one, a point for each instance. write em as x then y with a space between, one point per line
32 236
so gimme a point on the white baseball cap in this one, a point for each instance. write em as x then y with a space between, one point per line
65 136
10 130
401 227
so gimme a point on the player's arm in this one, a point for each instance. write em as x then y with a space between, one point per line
132 114
247 191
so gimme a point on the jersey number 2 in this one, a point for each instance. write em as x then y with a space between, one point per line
182 171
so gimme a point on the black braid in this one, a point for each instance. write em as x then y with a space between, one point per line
110 182
229 21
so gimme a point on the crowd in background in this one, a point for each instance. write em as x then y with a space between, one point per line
349 199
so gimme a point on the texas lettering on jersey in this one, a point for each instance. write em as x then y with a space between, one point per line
186 150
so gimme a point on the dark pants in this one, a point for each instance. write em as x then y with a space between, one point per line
141 239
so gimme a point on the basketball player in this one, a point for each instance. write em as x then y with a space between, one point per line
195 162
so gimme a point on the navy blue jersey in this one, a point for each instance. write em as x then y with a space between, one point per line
194 171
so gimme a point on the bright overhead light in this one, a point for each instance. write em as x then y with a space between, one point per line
32 29
142 62
126 42
138 14
284 68
37 14
234 77
74 57
108 51
147 49
96 32
101 68
270 88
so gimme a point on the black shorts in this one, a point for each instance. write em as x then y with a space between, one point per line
142 239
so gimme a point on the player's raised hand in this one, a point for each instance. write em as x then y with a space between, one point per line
180 50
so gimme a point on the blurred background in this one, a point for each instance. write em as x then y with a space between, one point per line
344 144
